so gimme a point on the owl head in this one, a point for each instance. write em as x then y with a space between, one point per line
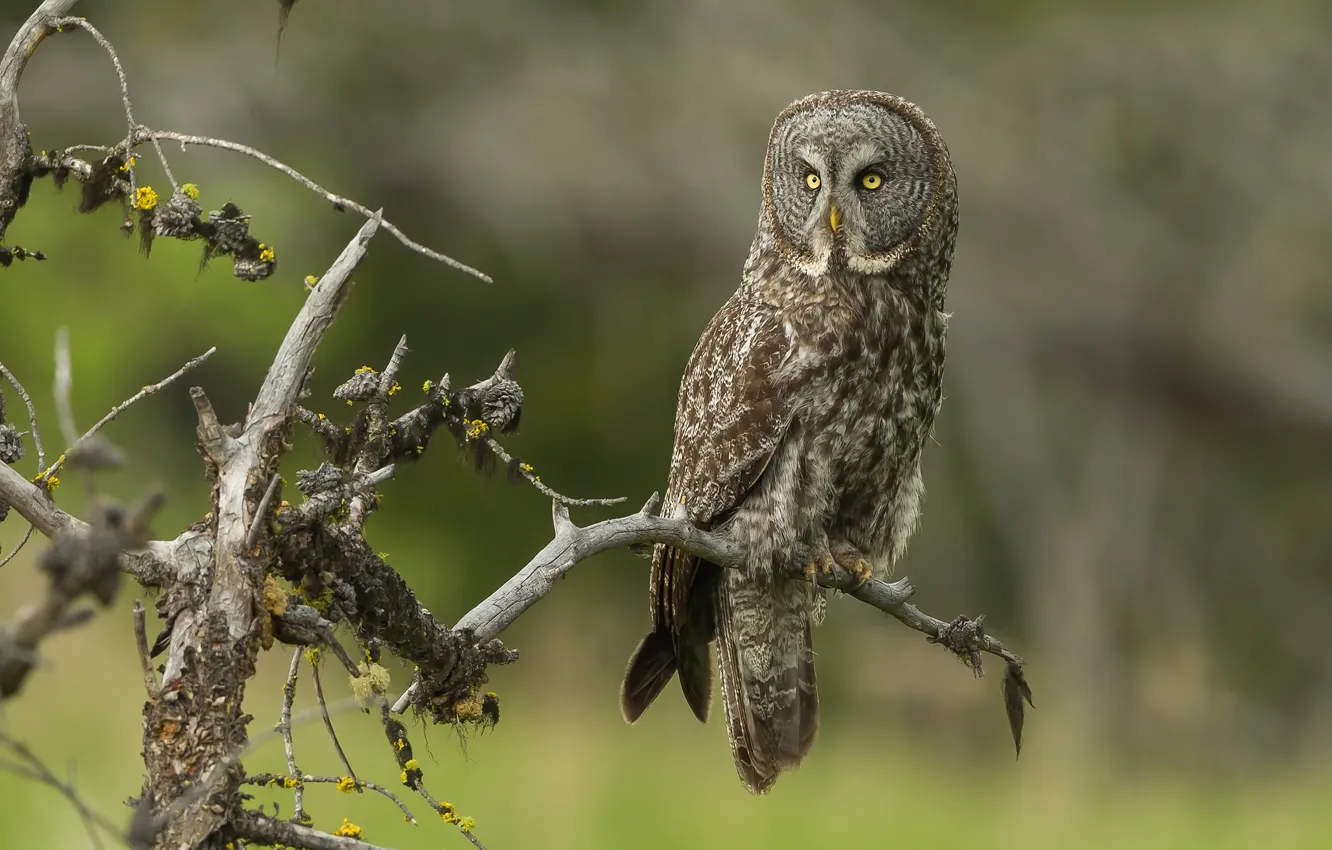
853 180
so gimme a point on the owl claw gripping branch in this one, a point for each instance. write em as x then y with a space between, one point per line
802 414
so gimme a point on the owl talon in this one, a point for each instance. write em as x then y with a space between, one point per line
862 572
820 567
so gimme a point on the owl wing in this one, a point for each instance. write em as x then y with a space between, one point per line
729 420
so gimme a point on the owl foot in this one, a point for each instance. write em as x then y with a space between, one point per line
861 571
850 559
820 566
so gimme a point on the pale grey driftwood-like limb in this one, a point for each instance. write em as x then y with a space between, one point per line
34 504
227 612
15 150
572 544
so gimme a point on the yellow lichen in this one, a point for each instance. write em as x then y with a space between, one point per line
466 824
425 388
475 428
145 198
372 684
366 370
273 597
395 388
129 163
290 782
348 830
346 785
266 254
525 467
411 764
467 709
191 191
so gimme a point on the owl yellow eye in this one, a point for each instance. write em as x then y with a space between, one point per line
871 180
812 180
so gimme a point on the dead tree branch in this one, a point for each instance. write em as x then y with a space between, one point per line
340 203
125 405
15 151
261 829
964 637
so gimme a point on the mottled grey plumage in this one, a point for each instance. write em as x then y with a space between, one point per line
802 414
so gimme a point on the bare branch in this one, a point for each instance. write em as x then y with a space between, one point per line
15 150
124 405
284 726
257 523
340 781
143 134
34 504
141 643
124 93
573 544
32 414
23 541
262 829
328 721
544 489
217 443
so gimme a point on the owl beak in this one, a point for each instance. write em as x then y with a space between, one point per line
833 218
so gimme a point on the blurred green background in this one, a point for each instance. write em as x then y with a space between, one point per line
1131 470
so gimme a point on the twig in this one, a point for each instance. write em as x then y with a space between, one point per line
27 535
124 405
124 93
573 544
145 659
32 414
257 523
273 778
328 721
262 829
544 489
142 134
412 775
284 726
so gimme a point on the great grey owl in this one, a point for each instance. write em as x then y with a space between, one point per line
802 414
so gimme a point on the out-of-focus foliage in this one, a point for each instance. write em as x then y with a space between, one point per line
1130 475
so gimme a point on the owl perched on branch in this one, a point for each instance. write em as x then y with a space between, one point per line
802 414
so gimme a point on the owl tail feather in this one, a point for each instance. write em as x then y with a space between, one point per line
650 669
772 713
